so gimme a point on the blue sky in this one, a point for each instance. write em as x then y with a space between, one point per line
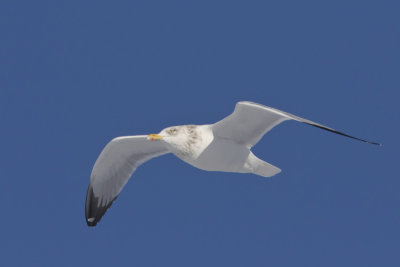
75 74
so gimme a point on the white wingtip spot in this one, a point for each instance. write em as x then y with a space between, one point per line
91 219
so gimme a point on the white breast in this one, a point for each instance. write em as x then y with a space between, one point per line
191 149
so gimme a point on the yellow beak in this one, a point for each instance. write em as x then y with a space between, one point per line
153 137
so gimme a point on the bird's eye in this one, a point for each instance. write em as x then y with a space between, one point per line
172 131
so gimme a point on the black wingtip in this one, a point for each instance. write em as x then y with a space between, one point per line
91 224
340 133
94 211
374 143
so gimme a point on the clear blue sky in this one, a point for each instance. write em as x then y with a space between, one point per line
75 74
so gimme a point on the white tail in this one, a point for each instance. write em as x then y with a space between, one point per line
260 167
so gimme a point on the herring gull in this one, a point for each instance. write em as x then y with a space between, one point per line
223 146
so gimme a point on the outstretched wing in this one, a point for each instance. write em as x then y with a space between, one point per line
250 121
113 168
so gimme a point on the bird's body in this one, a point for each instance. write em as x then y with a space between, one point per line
214 156
206 151
223 146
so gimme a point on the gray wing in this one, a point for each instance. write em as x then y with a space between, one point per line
250 121
112 170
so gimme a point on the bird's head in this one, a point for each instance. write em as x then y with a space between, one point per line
172 134
177 137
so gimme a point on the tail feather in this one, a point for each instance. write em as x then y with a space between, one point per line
260 167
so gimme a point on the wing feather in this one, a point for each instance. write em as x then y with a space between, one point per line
112 170
250 121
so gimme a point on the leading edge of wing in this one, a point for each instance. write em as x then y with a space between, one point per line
297 118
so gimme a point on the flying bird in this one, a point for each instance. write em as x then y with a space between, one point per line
223 146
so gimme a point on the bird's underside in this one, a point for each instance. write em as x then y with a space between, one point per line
222 146
224 155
